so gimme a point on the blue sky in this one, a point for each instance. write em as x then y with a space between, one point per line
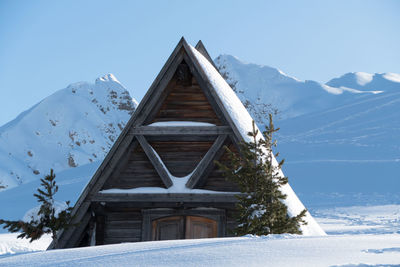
46 45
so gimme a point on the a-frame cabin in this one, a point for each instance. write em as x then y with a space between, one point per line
159 180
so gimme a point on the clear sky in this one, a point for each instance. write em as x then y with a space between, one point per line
46 45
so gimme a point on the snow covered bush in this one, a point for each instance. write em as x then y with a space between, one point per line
261 210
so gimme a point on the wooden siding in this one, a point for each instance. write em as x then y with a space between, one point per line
216 180
181 157
122 226
185 103
136 172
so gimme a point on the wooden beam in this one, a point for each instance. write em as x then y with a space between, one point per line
176 130
180 138
155 160
168 197
166 204
206 161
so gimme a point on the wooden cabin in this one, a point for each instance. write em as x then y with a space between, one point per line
159 180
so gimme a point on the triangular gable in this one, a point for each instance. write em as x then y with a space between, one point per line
152 102
184 101
146 110
235 120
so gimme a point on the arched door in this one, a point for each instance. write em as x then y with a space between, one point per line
183 227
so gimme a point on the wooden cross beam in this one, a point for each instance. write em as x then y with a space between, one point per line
206 161
155 160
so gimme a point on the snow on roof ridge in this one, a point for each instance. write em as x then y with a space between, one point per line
243 122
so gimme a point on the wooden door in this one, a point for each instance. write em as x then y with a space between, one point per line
168 228
200 227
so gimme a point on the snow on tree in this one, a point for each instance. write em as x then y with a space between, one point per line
261 210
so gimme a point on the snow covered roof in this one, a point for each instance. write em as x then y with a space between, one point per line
243 124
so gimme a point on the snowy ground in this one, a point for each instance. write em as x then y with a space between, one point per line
358 236
283 250
383 219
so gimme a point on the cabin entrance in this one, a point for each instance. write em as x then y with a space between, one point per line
183 227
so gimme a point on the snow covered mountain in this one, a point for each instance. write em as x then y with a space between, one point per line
266 89
340 137
367 81
74 126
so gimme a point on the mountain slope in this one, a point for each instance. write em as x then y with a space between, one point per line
339 137
267 89
74 126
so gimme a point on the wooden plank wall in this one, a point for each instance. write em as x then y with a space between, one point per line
216 180
181 157
137 172
186 102
123 225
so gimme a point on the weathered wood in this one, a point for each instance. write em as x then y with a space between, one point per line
122 232
137 172
150 215
181 158
184 103
109 241
155 91
74 240
122 164
214 178
177 204
167 99
178 197
153 104
205 83
205 162
180 138
181 130
155 161
100 227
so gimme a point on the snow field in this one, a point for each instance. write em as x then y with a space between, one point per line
274 250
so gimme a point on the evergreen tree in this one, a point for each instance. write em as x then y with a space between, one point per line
260 207
48 220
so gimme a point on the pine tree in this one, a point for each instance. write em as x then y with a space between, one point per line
260 207
48 220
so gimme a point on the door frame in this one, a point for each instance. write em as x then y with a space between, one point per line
149 215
